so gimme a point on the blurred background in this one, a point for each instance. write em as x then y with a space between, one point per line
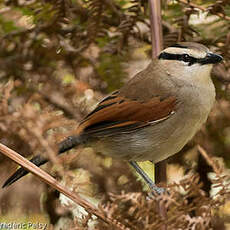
57 60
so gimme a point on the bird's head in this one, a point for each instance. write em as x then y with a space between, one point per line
189 58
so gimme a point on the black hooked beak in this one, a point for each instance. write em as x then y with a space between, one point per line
211 58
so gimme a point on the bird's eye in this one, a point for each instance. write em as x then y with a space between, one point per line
186 58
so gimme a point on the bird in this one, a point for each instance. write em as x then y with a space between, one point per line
153 115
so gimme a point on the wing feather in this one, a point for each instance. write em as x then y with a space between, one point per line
116 114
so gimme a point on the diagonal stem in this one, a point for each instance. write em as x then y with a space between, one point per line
45 177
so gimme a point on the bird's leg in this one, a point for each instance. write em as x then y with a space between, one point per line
146 178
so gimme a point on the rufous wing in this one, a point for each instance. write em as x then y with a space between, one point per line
117 114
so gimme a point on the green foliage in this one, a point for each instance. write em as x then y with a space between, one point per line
7 26
111 71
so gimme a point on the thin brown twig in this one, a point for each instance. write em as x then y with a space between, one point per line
221 15
209 160
45 177
156 27
157 45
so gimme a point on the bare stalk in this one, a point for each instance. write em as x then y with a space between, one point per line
156 27
45 177
209 160
157 45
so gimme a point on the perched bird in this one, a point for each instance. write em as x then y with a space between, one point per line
154 114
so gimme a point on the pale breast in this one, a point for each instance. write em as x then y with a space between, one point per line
159 141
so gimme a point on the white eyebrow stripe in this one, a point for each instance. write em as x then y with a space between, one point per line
192 52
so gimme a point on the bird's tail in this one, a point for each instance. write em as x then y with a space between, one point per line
69 143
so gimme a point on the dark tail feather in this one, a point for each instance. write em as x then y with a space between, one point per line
67 144
37 160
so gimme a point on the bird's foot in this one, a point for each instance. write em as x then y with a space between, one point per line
154 189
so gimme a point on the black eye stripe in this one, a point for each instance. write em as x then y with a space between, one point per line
179 57
210 58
